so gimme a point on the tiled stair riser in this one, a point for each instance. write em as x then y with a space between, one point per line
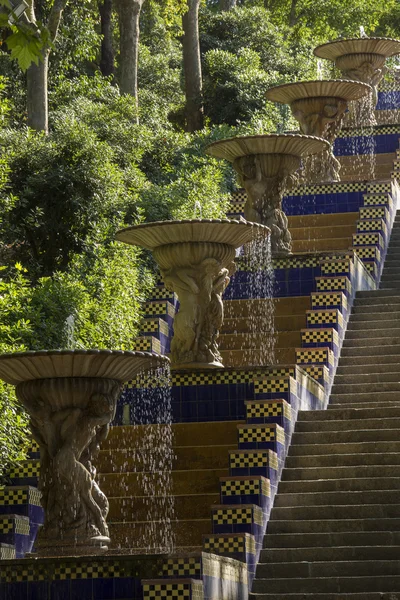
204 395
380 139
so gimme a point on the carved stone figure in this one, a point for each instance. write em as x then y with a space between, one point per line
197 323
266 178
323 118
69 438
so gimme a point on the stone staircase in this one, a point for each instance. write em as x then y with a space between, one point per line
334 530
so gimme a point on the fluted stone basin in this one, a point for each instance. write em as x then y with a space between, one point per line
361 59
196 260
267 165
71 399
319 107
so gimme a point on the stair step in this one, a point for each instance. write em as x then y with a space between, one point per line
384 331
312 596
367 388
341 414
332 553
328 584
370 369
364 397
348 425
328 569
375 341
375 294
341 538
354 447
337 497
367 352
344 511
370 325
363 378
345 435
340 485
344 472
374 316
342 460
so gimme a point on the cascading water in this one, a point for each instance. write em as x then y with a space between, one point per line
152 460
258 311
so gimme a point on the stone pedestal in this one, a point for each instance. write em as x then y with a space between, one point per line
196 260
71 399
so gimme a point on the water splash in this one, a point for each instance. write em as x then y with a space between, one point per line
362 32
69 328
197 209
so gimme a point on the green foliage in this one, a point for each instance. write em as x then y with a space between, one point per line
15 330
63 189
234 85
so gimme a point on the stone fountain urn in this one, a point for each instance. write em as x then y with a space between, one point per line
196 260
267 165
361 59
71 399
319 107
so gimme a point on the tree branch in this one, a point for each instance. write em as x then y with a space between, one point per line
55 17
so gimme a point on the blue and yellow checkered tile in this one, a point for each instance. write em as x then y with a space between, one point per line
375 212
247 490
296 262
218 377
187 589
238 546
372 225
26 472
22 500
158 308
334 284
83 569
329 188
315 338
33 450
7 552
15 531
371 267
262 437
276 387
380 187
369 252
378 200
320 319
154 325
316 356
269 411
160 292
320 373
329 300
28 572
182 566
254 462
240 518
147 344
338 266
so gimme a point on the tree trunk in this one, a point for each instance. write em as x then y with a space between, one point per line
292 15
227 4
107 50
36 95
192 67
129 13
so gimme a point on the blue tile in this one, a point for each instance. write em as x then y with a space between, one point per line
38 590
103 589
81 589
60 590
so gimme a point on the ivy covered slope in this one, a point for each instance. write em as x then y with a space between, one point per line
105 109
